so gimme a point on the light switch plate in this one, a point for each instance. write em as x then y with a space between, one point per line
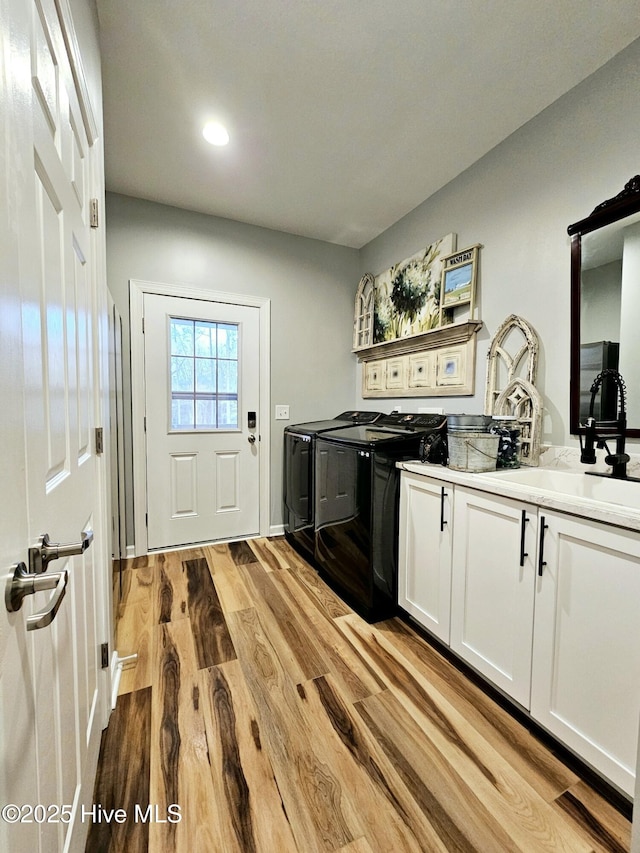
282 413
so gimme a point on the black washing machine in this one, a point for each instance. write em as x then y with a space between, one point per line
356 507
298 476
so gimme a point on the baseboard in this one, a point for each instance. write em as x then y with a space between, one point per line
131 552
117 665
116 672
276 530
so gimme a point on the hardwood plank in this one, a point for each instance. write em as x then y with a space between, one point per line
137 584
297 653
286 552
247 803
312 794
309 581
210 633
360 845
171 596
227 580
241 553
134 635
602 825
268 555
355 677
180 768
261 757
165 732
125 743
146 561
392 818
509 798
455 811
532 760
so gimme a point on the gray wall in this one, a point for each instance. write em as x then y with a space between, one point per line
518 201
311 286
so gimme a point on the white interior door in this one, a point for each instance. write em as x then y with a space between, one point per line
202 391
52 691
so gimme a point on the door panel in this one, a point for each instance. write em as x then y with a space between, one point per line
203 475
52 692
424 552
227 482
184 479
586 673
493 588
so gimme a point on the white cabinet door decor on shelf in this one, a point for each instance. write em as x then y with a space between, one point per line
586 670
493 588
424 558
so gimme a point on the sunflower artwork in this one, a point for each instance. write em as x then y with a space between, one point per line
407 296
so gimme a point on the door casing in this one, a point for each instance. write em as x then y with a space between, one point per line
137 289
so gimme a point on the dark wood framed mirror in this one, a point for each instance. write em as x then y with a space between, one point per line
605 307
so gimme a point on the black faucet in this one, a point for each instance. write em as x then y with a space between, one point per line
596 433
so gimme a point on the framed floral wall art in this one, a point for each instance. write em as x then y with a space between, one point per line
407 296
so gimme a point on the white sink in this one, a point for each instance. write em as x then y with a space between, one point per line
574 483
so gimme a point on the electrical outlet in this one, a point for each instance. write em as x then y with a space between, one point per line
282 413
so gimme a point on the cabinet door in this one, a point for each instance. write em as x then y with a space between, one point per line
586 660
424 553
493 588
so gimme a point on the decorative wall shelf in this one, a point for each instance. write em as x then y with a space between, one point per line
437 363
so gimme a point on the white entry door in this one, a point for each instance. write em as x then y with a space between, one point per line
53 692
202 392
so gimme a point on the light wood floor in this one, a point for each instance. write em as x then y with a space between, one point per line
279 721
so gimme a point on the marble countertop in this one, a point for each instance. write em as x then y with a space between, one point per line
620 514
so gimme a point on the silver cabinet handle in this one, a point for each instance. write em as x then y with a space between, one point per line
45 551
23 583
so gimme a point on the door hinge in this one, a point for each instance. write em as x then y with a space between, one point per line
146 519
145 423
93 213
104 655
143 325
99 441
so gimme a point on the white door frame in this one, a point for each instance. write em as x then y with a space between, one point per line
137 290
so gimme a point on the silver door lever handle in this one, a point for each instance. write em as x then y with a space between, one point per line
45 551
23 583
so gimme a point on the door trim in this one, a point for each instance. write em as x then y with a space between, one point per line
137 290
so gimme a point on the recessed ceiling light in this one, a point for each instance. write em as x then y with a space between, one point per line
215 133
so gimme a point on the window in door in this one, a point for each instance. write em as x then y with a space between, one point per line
204 375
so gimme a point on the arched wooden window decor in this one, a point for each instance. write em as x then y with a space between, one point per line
363 314
512 364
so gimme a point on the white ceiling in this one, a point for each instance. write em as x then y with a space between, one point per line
344 115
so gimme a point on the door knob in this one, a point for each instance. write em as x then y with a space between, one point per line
251 438
45 551
23 583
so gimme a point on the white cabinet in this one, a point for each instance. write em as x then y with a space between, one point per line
586 653
543 604
424 552
493 588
